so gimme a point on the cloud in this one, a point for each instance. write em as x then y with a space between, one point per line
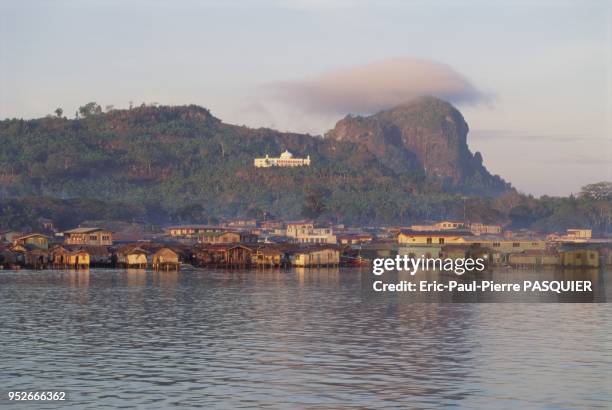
376 86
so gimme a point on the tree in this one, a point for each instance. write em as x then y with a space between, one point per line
601 191
193 213
521 216
91 108
59 112
314 202
256 213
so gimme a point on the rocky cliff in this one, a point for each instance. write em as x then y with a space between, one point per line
425 134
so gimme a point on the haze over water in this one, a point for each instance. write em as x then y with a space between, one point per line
290 339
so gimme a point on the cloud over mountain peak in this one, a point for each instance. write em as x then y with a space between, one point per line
377 86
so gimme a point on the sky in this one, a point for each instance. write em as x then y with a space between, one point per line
532 79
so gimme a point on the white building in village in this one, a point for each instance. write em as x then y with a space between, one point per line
285 160
305 232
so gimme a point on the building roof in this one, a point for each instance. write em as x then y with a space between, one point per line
300 222
536 252
94 250
166 251
454 232
220 247
30 235
68 250
213 234
501 239
286 155
85 230
269 250
129 250
195 226
227 231
353 235
316 248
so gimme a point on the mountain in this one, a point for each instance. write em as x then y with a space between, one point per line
181 163
424 134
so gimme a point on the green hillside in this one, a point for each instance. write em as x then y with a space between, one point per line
181 164
177 157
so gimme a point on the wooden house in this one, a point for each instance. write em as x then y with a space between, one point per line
580 257
36 258
62 257
46 224
222 255
227 237
316 256
534 258
33 241
191 231
98 255
270 225
412 237
9 236
132 257
294 227
8 257
504 246
166 259
88 236
247 223
354 238
268 257
478 228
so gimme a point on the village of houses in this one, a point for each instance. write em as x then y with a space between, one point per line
248 243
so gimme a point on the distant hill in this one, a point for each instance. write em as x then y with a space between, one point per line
184 164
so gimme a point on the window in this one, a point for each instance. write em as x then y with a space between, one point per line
591 256
496 244
441 240
93 237
429 240
516 244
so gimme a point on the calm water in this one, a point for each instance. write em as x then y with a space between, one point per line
290 340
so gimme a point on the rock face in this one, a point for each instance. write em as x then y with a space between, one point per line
425 134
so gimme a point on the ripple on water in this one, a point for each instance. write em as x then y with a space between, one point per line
290 339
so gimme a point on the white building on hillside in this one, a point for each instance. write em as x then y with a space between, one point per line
285 160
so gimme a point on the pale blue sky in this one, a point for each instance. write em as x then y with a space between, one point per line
546 67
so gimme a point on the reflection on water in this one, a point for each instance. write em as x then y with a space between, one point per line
304 338
136 277
77 278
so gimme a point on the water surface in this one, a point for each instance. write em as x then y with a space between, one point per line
290 339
